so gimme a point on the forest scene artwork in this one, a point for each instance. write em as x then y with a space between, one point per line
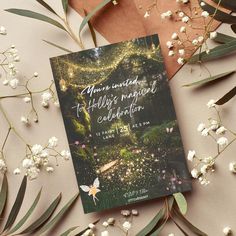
121 124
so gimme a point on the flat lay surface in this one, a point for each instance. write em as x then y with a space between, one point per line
210 207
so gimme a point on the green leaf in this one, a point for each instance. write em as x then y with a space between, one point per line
223 38
65 5
217 14
193 228
3 194
159 229
214 53
228 96
44 4
210 79
57 46
92 13
181 202
233 27
67 232
44 217
27 215
228 4
37 16
17 204
58 217
92 31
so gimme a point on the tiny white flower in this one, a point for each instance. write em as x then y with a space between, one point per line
125 212
214 124
147 14
134 212
169 13
3 30
211 103
227 231
27 163
65 154
111 221
14 83
26 99
24 120
33 172
201 127
46 96
205 132
45 104
205 14
200 39
171 53
126 225
105 233
17 171
181 52
204 181
36 74
232 167
185 1
105 224
49 169
174 36
56 103
91 226
181 14
221 130
191 155
3 166
185 19
169 44
195 42
16 58
180 60
52 142
44 154
36 149
182 29
202 4
171 234
223 141
195 173
213 35
203 169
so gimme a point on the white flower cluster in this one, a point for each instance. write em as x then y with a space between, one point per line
3 166
38 158
216 131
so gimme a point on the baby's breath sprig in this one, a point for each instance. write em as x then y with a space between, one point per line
223 136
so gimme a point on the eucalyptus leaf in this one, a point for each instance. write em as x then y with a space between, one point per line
180 228
159 229
215 53
223 38
44 4
228 4
27 215
210 79
67 232
181 202
3 194
228 96
65 5
193 228
92 31
217 14
57 46
37 16
92 13
17 204
58 217
44 217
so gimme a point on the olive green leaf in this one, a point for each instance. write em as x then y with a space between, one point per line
228 4
210 79
58 217
180 228
92 13
223 38
181 202
27 215
193 228
65 5
228 96
17 204
44 217
44 4
57 46
37 16
214 53
217 14
67 232
3 194
92 31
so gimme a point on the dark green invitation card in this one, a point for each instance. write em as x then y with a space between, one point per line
121 124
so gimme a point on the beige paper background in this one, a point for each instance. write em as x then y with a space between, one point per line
211 208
